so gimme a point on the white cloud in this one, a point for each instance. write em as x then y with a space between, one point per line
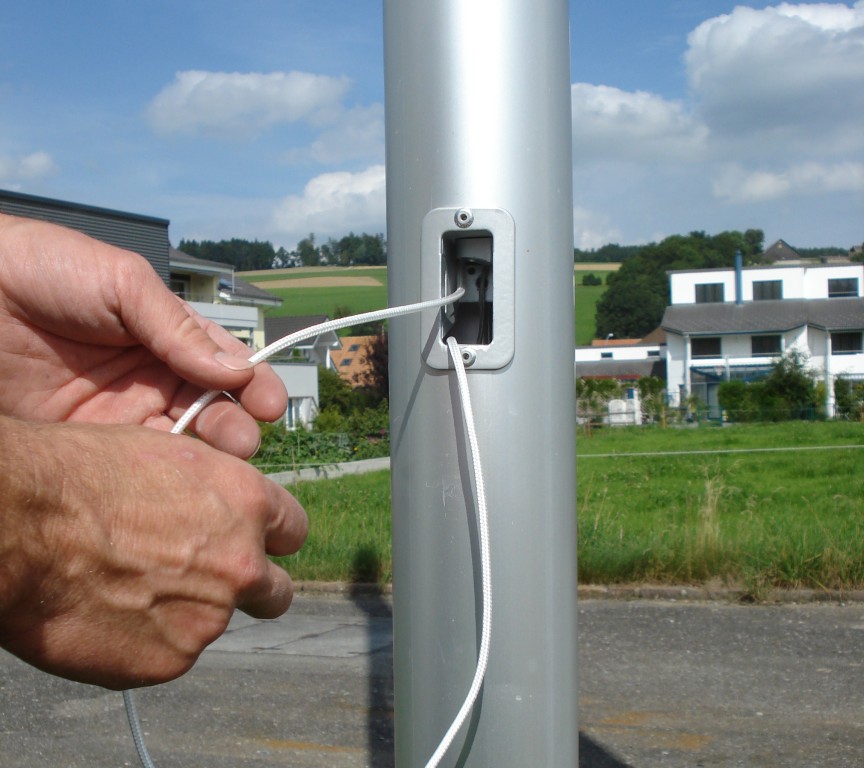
611 123
358 133
36 165
771 127
234 104
735 184
792 73
592 229
335 203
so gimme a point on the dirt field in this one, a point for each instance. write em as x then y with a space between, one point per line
611 266
347 281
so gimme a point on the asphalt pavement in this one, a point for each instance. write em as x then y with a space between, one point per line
662 683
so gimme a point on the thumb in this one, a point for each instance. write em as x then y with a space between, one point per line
196 349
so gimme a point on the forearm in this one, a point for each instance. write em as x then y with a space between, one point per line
23 484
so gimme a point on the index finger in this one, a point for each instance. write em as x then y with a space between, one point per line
286 525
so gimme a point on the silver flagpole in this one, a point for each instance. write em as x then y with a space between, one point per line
479 195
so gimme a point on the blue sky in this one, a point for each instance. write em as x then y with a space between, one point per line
265 120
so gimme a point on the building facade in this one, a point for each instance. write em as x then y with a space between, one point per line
727 324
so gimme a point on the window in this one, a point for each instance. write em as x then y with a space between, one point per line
605 355
709 293
706 346
346 361
761 346
846 343
354 348
180 286
842 287
765 290
292 413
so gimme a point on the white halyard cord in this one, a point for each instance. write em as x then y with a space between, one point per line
485 559
311 332
482 512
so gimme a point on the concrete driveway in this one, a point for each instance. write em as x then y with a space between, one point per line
663 683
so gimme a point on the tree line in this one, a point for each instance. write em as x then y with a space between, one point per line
246 255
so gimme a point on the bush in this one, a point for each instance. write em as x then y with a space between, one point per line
591 279
788 392
848 399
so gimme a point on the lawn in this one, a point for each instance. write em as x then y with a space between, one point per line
333 301
675 506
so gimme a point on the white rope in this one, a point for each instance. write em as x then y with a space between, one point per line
485 559
286 341
311 332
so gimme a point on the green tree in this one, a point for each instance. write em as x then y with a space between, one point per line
241 254
638 293
376 358
308 252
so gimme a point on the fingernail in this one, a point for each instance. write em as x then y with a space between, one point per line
233 362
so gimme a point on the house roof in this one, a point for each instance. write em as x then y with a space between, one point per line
236 288
764 316
276 328
248 292
194 264
623 370
350 361
781 251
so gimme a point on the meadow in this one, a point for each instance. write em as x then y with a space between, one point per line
333 300
751 507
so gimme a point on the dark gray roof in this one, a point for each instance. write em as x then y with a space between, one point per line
621 369
249 292
276 328
181 257
781 251
764 316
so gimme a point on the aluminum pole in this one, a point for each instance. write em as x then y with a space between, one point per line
479 183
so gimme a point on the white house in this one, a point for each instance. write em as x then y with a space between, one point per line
620 359
213 291
726 324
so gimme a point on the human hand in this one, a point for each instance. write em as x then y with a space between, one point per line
89 332
124 551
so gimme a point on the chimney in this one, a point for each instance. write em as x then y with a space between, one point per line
739 289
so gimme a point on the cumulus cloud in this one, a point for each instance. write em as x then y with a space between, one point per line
234 104
612 123
771 126
592 229
36 165
735 184
358 133
791 72
334 203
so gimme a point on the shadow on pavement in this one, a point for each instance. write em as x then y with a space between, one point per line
592 755
369 598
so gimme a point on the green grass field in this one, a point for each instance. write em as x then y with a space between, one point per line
329 301
674 506
587 297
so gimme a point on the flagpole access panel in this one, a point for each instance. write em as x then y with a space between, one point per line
479 197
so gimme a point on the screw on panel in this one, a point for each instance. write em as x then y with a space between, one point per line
469 356
464 218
